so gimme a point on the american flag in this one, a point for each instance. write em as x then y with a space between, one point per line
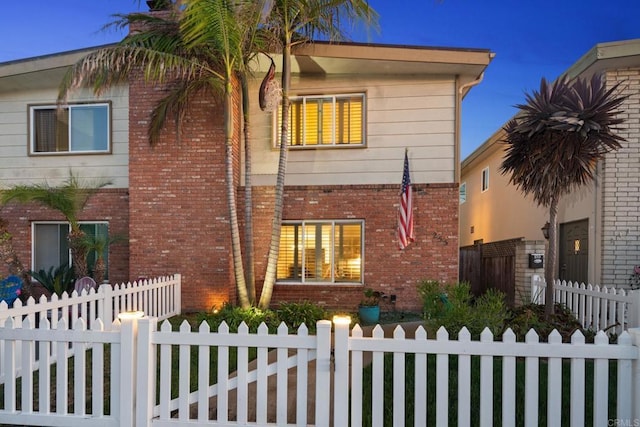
405 217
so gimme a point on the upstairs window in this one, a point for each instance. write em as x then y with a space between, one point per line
80 128
485 179
324 121
321 252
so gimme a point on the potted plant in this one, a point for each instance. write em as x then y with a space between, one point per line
369 307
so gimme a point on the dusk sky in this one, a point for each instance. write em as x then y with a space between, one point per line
531 39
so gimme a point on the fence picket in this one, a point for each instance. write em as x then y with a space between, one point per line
577 384
531 383
242 398
44 367
62 373
165 375
356 380
600 384
554 383
204 354
398 381
508 382
486 383
442 381
79 371
377 381
28 356
282 378
302 378
97 369
464 380
262 380
420 400
184 374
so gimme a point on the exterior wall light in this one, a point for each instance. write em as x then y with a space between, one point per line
545 230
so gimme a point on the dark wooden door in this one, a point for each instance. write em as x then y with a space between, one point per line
574 251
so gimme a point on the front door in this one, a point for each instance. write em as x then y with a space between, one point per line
574 251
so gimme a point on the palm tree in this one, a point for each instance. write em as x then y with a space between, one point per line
98 244
554 143
69 199
290 23
198 51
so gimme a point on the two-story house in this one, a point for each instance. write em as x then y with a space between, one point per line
599 233
356 108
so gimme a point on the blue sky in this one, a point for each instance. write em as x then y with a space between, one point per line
531 39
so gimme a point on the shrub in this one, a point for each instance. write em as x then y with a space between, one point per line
453 307
234 316
55 281
294 314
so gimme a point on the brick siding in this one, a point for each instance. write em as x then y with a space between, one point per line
621 188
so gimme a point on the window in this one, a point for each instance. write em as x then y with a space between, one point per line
485 179
81 128
332 120
322 251
51 247
463 192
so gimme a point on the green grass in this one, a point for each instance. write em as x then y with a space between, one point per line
475 391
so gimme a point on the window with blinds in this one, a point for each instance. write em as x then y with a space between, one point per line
324 252
321 121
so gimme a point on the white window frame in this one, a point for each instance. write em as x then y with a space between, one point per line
485 179
70 107
333 280
462 192
334 144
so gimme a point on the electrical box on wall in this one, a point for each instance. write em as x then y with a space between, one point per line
536 260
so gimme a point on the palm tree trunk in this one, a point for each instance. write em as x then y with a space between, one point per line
78 252
549 273
236 252
276 225
248 197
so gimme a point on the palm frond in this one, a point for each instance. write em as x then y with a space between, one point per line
556 139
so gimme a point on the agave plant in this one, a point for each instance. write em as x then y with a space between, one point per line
55 280
554 143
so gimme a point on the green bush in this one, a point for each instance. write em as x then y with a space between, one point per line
453 307
234 316
294 314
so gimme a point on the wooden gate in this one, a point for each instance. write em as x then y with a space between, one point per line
490 265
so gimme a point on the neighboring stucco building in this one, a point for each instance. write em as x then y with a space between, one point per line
342 183
599 226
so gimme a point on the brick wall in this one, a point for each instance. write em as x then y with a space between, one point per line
523 272
178 204
107 205
434 254
621 187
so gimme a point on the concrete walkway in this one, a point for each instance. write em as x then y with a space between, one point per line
409 328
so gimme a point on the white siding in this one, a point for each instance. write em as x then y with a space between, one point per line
17 167
414 113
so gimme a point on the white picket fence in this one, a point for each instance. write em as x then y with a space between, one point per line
301 379
158 297
596 308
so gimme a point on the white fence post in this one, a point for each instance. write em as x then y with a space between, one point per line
323 373
341 371
635 376
145 370
537 289
128 336
177 293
